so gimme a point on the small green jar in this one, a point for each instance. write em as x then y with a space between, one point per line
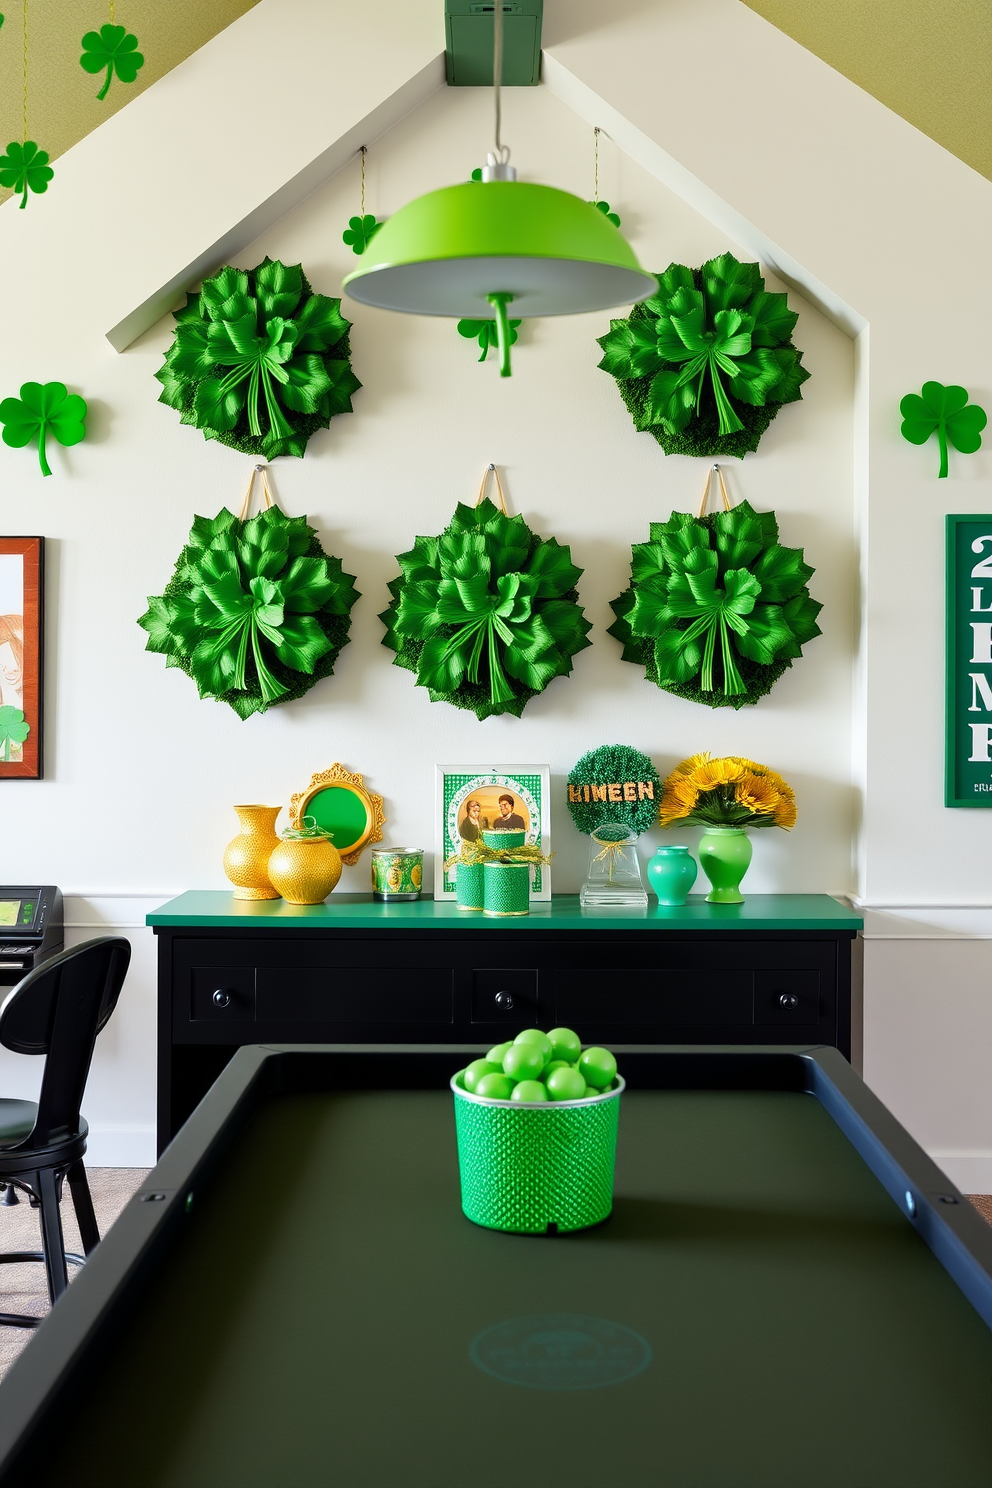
495 838
507 888
469 885
397 873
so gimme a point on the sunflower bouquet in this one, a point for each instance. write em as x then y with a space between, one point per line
728 792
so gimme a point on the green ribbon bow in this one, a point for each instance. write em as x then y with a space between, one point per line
712 341
486 614
256 611
717 607
946 411
251 364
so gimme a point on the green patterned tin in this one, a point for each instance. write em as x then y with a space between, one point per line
397 873
497 839
537 1168
469 885
507 888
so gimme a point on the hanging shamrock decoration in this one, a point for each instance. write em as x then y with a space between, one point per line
487 613
363 228
943 409
604 207
256 612
705 364
716 608
25 168
259 361
484 332
113 48
13 731
40 411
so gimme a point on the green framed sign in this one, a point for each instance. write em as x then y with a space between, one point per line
968 726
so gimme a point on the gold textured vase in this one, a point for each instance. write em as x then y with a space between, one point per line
246 856
305 869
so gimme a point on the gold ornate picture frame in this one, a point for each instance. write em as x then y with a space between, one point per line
339 801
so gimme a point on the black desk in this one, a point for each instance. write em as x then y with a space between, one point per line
766 1308
774 970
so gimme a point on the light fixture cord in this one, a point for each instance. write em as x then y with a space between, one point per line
498 69
364 147
24 50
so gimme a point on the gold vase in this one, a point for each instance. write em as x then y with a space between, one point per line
305 869
246 856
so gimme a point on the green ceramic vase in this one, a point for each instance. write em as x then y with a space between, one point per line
724 855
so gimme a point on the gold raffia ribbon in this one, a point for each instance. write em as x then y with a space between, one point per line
491 470
479 852
246 503
610 850
706 490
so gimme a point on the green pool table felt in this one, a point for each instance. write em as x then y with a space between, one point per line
314 1325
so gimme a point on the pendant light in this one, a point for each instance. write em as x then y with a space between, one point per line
471 251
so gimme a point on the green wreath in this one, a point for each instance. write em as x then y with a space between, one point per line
716 608
706 363
259 362
487 613
256 612
613 764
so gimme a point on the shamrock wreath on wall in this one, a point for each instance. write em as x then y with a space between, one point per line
487 613
717 608
259 361
256 612
706 363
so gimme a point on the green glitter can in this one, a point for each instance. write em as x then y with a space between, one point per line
397 873
506 888
469 885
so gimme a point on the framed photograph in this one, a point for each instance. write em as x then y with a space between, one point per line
472 799
22 569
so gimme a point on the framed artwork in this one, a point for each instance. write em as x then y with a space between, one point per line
340 802
471 799
968 694
22 577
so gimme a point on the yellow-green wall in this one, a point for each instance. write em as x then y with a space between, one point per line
928 60
62 102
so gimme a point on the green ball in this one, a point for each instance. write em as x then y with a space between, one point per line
535 1036
566 1084
497 1053
495 1087
598 1068
476 1071
565 1044
529 1090
523 1061
550 1068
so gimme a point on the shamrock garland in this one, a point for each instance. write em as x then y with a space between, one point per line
113 48
717 608
946 411
487 613
256 612
259 362
51 409
705 364
25 168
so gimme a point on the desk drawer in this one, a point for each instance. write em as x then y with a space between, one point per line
676 998
333 994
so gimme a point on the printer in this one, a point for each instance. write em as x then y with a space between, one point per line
30 929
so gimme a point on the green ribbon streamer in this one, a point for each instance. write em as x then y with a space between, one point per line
259 362
485 614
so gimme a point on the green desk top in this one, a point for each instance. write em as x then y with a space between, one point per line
210 907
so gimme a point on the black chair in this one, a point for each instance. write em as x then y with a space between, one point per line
57 1010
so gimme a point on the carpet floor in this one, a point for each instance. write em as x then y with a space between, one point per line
22 1288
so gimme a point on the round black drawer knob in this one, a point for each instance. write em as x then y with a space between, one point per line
786 1000
221 998
504 1000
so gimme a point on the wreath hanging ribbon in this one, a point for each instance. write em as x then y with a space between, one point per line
717 608
256 612
487 613
259 362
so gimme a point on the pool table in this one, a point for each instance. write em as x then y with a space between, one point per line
788 1294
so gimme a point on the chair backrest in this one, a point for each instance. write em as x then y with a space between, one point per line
57 1010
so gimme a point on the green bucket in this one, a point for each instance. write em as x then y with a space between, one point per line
537 1168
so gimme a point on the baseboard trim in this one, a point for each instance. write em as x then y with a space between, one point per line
969 1168
121 1147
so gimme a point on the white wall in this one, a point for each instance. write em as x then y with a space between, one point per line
142 775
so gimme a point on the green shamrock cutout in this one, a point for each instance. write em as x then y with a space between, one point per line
113 48
360 232
13 730
43 410
485 331
943 408
25 168
604 207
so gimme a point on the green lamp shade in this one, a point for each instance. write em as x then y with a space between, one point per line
548 252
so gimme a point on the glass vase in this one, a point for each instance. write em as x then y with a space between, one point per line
724 855
613 878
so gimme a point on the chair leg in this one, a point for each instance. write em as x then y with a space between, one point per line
51 1233
83 1205
9 1195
